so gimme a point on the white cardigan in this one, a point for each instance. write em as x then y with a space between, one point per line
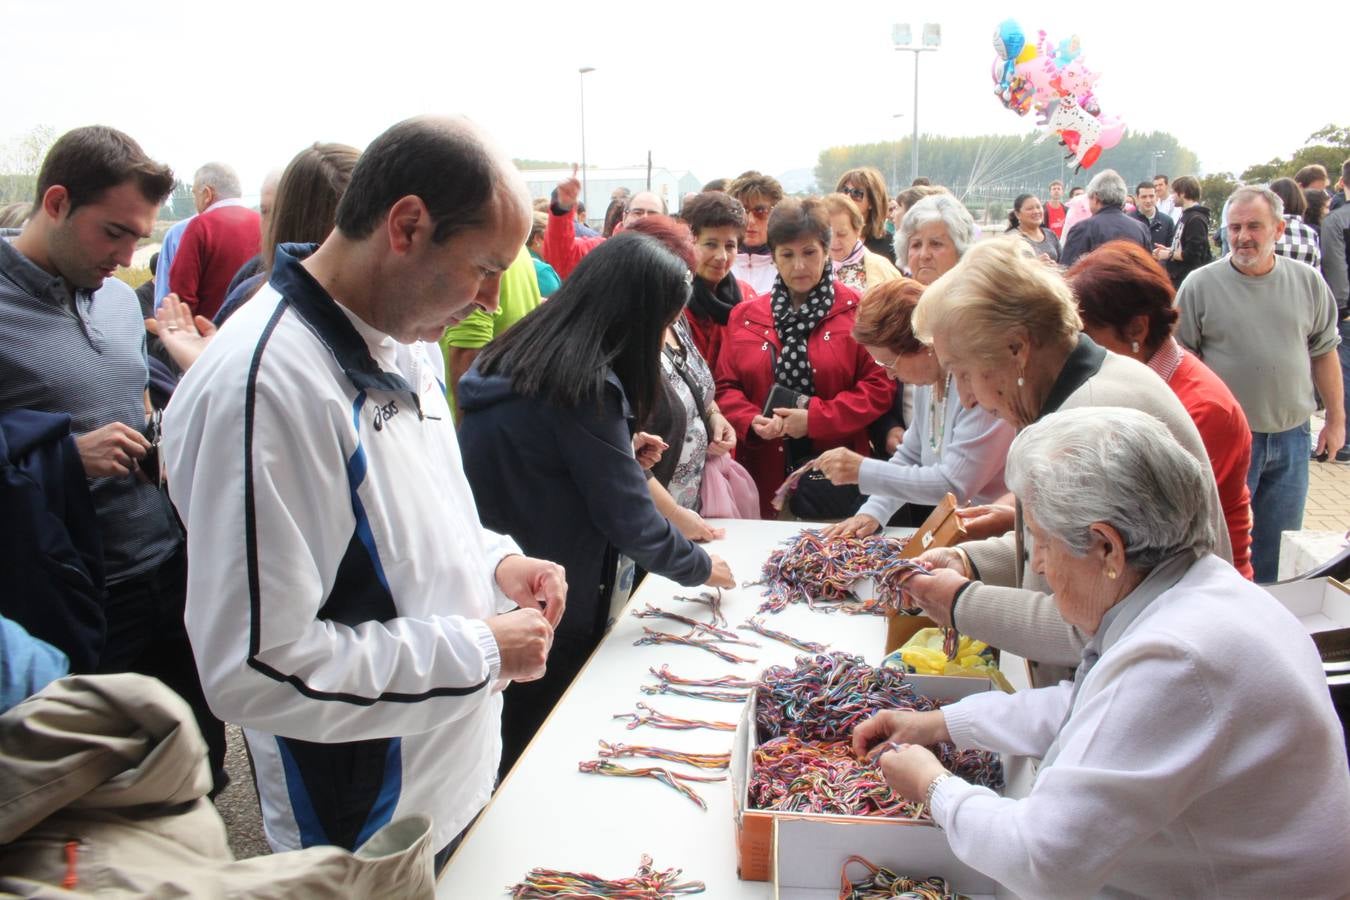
1203 758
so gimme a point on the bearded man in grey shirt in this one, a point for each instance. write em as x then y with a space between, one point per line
1257 320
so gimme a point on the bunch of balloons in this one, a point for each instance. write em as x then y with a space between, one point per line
1053 80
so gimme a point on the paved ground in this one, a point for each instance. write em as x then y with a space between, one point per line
1328 510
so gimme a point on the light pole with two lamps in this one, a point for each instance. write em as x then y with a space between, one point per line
581 77
902 37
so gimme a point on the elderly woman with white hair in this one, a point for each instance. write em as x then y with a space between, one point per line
1006 327
934 234
1196 753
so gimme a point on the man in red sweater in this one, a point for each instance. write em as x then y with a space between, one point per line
224 235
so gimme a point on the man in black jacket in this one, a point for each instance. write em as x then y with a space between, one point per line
1109 222
1158 223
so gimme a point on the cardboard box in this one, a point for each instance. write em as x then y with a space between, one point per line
809 857
755 827
1323 606
942 528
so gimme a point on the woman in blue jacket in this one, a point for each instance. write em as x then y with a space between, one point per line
550 409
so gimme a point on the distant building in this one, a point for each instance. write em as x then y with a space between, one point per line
669 185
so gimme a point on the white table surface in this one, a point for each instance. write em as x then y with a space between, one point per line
546 813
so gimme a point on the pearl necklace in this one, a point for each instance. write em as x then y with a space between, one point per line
937 416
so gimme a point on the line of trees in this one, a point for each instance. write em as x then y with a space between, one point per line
995 164
989 170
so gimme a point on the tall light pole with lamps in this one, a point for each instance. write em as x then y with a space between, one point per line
902 37
895 161
581 77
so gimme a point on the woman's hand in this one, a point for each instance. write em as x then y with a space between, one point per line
721 436
840 465
648 449
860 525
721 576
694 526
794 421
909 769
935 592
183 335
900 726
992 520
768 429
894 438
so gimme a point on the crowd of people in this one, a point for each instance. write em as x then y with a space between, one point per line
369 470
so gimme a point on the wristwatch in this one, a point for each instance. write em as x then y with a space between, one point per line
932 786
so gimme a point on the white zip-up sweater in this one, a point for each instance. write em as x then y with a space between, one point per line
1202 758
339 576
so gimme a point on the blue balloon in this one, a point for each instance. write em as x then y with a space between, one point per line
1012 39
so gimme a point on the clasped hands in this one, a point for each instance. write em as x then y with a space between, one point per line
786 421
525 635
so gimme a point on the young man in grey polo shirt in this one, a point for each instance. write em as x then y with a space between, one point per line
1266 325
76 344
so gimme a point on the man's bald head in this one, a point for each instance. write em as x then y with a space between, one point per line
642 204
448 163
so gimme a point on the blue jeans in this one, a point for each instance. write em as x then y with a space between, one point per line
1278 481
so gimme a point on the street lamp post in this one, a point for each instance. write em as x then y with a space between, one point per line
895 161
1157 155
581 78
932 39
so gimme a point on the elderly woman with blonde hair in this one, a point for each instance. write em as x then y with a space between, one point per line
855 264
1006 327
1171 765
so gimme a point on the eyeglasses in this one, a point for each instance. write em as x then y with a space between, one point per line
855 193
759 212
890 366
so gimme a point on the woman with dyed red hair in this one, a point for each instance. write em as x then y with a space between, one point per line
1127 303
947 448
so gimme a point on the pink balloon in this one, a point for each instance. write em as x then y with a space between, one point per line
1076 79
1113 129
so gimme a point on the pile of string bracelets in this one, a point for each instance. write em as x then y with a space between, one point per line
816 704
822 573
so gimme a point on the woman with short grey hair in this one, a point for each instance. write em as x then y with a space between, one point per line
933 236
1155 757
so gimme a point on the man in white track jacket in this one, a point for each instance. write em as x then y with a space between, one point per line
345 604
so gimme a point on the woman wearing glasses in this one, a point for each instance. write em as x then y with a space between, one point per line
759 194
947 447
867 190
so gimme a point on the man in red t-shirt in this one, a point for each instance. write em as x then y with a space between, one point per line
1054 209
224 235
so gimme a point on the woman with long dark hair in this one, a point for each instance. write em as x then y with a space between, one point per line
550 409
1027 220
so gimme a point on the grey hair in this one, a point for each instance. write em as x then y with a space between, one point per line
1118 466
1108 187
942 208
1259 192
221 178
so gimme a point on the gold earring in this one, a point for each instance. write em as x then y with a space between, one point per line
1111 573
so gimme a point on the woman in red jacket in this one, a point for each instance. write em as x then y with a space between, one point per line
798 338
717 222
1126 301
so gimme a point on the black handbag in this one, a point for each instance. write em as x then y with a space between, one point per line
816 497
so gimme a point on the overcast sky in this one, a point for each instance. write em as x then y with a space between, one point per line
713 87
